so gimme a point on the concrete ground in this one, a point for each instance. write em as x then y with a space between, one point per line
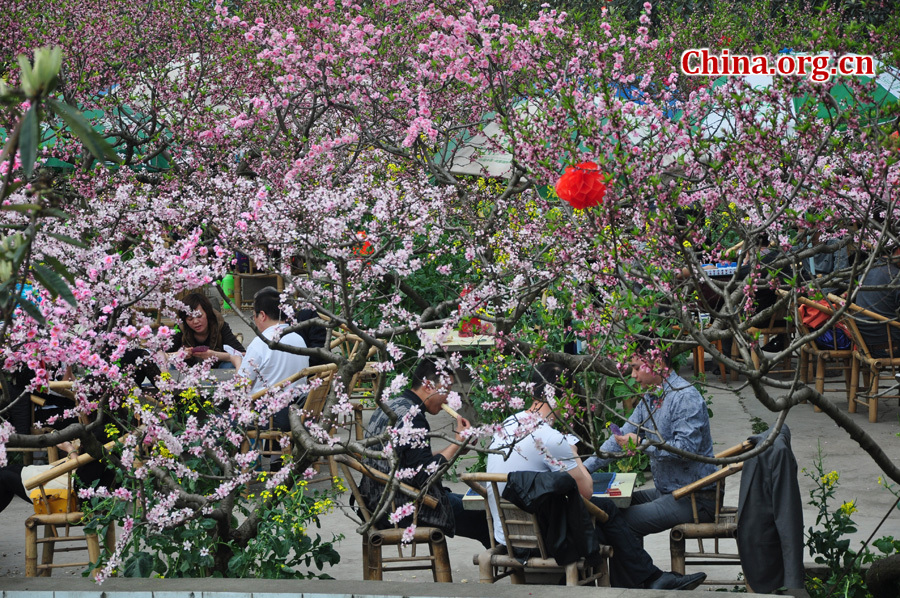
734 411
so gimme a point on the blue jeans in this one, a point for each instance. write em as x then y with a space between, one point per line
469 524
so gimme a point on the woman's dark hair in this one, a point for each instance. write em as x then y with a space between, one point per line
197 301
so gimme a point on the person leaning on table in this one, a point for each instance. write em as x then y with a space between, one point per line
546 449
203 326
673 411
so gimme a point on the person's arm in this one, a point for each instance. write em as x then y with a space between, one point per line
177 342
228 338
582 477
217 355
451 449
614 443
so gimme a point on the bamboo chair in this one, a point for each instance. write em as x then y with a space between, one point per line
364 383
270 440
522 532
61 518
767 333
409 557
723 526
814 359
874 369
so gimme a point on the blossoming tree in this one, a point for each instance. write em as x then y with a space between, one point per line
282 132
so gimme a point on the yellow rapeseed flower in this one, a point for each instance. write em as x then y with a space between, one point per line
830 479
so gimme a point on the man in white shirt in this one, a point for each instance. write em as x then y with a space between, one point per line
264 366
529 443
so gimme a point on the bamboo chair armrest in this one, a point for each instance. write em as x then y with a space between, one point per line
595 511
62 467
808 302
736 449
429 501
706 481
479 489
859 310
304 373
483 477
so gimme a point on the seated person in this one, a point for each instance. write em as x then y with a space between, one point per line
13 477
202 326
263 366
883 301
675 412
427 393
538 447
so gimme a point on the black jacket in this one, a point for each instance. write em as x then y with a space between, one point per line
565 524
770 518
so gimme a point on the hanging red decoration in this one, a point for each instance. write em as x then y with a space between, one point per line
582 186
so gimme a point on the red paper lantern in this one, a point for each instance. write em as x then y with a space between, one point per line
582 186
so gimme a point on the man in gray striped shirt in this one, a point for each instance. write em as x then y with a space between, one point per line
673 411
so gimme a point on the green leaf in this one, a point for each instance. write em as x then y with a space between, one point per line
141 565
20 207
57 213
54 283
59 268
84 131
235 563
28 141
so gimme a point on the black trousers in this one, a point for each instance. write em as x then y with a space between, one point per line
11 485
631 565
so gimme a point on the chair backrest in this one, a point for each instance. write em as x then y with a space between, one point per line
315 400
318 395
349 464
717 478
56 499
348 344
64 466
52 501
315 370
520 529
855 334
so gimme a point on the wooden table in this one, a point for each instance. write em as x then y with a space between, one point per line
623 481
